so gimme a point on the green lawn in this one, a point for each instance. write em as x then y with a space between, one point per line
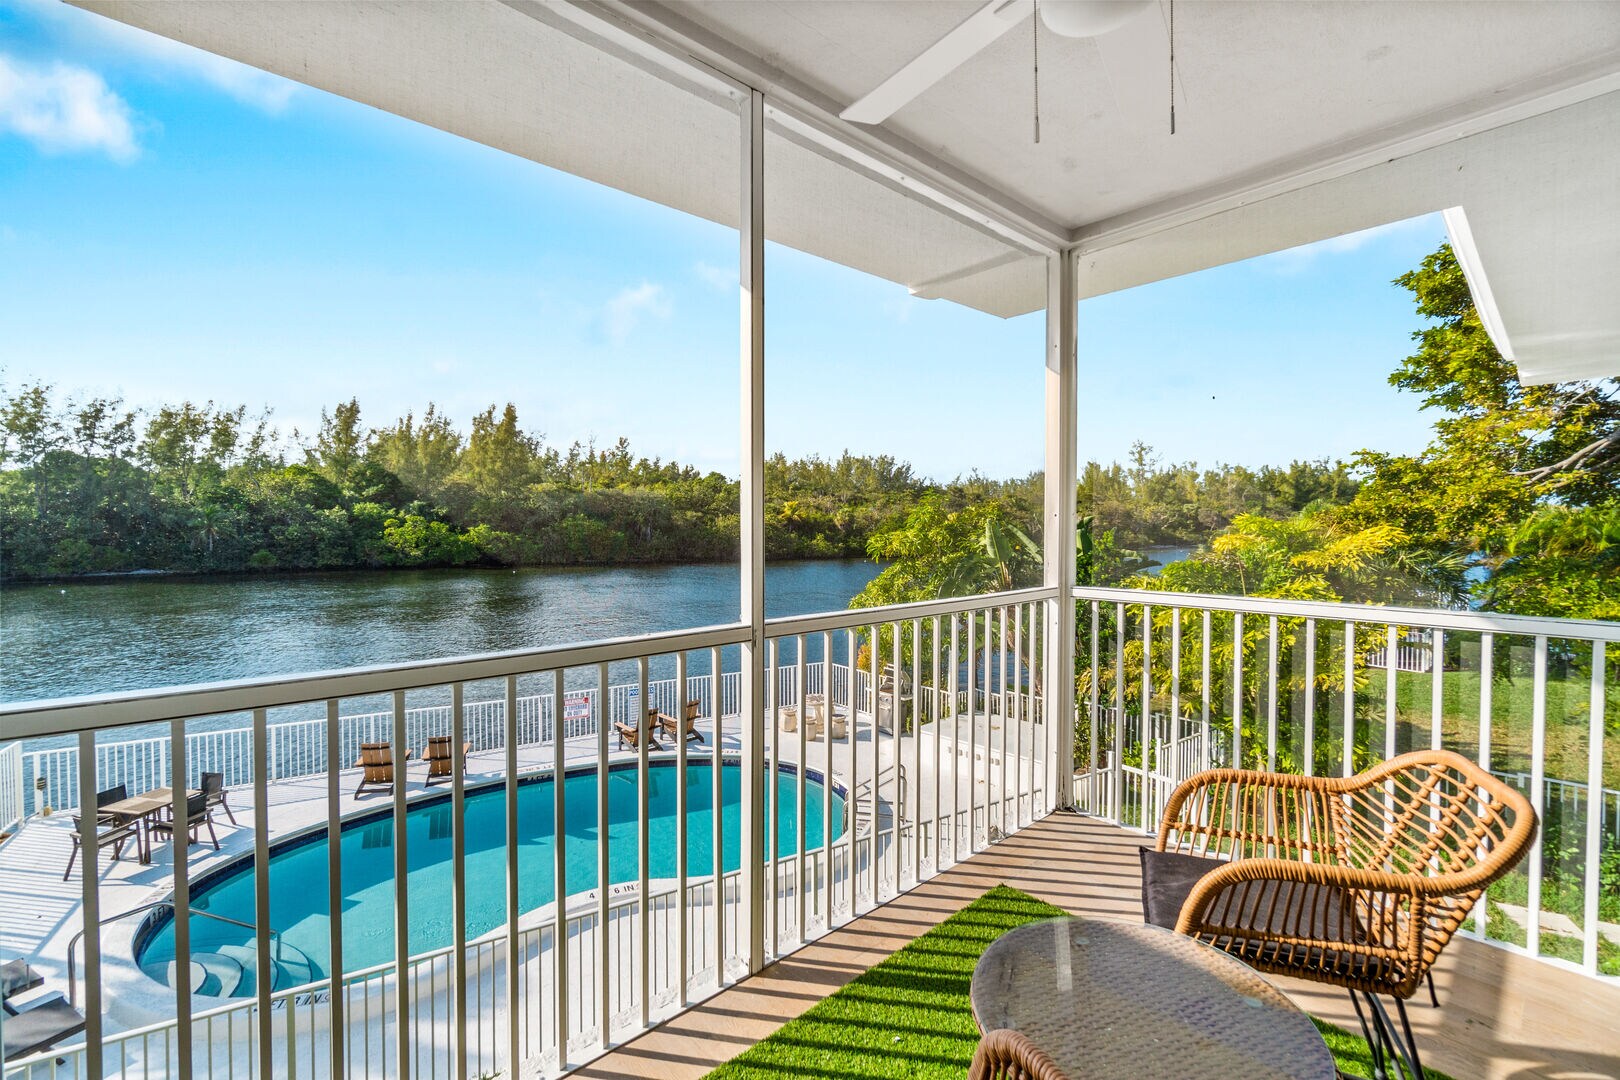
909 1016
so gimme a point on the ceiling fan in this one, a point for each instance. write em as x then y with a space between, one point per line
1067 18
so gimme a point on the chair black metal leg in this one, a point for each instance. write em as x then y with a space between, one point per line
1402 1057
1374 1043
225 806
74 854
1411 1041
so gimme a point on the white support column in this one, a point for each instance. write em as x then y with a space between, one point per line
1062 452
752 275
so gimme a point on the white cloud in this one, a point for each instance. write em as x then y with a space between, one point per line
121 44
622 314
63 109
718 278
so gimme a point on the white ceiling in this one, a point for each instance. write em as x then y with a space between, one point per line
1296 121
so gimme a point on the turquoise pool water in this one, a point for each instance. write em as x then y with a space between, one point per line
298 882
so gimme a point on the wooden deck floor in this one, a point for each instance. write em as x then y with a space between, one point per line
1502 1016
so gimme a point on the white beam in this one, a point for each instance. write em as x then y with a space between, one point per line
751 270
1058 539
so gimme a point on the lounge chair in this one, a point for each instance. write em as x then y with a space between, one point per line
198 817
377 759
112 830
672 727
1356 882
213 786
630 738
440 761
16 977
39 1025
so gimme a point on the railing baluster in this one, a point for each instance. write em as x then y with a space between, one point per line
1437 694
1116 754
402 893
682 841
800 884
1487 669
1592 883
717 834
1271 696
1538 791
263 980
773 751
182 904
956 743
1016 718
916 754
90 907
1001 663
643 722
559 939
1310 698
938 720
1237 690
1391 685
896 722
337 1013
1093 787
1349 698
1150 728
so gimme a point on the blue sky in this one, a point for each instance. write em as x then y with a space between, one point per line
174 225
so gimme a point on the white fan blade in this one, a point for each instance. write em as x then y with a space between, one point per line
939 60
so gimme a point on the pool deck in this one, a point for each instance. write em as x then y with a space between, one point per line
43 912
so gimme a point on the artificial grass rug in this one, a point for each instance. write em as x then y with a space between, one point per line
909 1016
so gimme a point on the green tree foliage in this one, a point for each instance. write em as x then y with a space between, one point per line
1145 503
1512 471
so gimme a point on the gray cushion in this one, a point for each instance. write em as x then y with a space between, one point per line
1168 878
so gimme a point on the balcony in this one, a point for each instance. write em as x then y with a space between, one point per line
569 897
941 774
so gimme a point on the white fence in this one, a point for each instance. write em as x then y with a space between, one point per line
12 806
298 749
1286 685
637 950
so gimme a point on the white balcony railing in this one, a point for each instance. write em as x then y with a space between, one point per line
1261 683
916 779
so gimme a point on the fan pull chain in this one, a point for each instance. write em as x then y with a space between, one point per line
1172 69
1036 21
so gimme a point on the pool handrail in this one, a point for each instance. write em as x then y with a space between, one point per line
73 943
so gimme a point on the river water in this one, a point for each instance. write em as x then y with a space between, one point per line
138 633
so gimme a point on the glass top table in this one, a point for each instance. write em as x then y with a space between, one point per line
1108 999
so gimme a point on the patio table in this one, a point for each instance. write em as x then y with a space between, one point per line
1109 999
141 809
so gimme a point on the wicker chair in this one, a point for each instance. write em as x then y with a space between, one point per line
1357 882
1004 1054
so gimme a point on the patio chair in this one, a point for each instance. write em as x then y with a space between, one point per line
213 786
39 1025
672 727
630 738
112 830
1004 1054
198 817
377 759
1358 882
440 761
16 977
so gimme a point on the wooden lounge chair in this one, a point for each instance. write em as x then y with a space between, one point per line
112 830
213 786
630 738
199 816
377 759
672 727
1358 882
440 761
39 1025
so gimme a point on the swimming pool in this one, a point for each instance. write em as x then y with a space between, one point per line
298 885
